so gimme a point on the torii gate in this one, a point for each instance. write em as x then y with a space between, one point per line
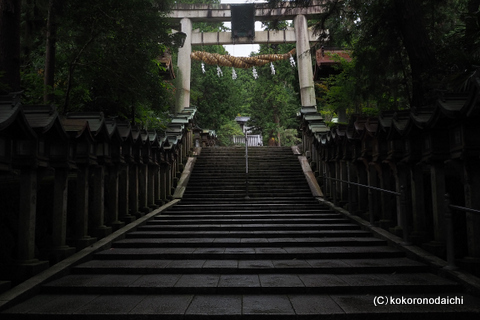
301 35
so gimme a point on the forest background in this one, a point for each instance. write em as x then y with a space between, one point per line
93 55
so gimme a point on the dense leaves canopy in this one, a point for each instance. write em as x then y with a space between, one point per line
405 51
105 55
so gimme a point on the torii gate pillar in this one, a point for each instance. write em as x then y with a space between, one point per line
184 66
304 61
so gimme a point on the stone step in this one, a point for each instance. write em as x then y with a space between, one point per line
184 206
283 189
212 200
263 183
252 164
248 234
241 253
240 179
237 172
264 283
246 212
238 196
249 227
242 193
268 166
252 266
193 220
133 242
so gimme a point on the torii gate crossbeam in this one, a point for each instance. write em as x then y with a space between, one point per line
222 12
261 37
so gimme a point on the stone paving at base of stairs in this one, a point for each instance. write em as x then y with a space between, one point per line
246 306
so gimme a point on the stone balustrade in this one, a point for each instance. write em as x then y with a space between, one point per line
67 181
430 151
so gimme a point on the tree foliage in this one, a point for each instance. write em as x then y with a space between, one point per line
405 51
274 101
105 55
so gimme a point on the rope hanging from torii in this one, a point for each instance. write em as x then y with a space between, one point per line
238 62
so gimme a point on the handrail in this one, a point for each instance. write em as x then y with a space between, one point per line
459 208
365 186
450 232
401 198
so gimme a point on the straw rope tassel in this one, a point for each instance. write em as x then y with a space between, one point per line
238 62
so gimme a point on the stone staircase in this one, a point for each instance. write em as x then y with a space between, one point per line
217 255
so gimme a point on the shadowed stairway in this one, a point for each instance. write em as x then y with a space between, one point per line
278 255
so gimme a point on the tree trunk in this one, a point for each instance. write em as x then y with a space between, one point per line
471 27
10 45
411 24
49 79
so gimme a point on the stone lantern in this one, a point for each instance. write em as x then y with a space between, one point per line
153 193
135 170
83 151
113 174
53 151
19 152
124 130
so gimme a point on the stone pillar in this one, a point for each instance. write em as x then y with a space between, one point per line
26 264
163 182
142 188
372 194
180 159
133 191
387 215
362 193
157 197
419 233
97 216
400 180
352 189
123 196
169 185
331 183
343 186
152 172
174 172
82 239
338 185
437 246
113 198
184 68
59 248
304 62
189 141
27 215
472 200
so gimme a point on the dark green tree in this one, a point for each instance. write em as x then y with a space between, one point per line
100 55
274 101
405 50
10 45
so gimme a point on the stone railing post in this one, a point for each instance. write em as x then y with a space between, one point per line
133 190
97 215
82 237
123 196
59 248
142 188
113 191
